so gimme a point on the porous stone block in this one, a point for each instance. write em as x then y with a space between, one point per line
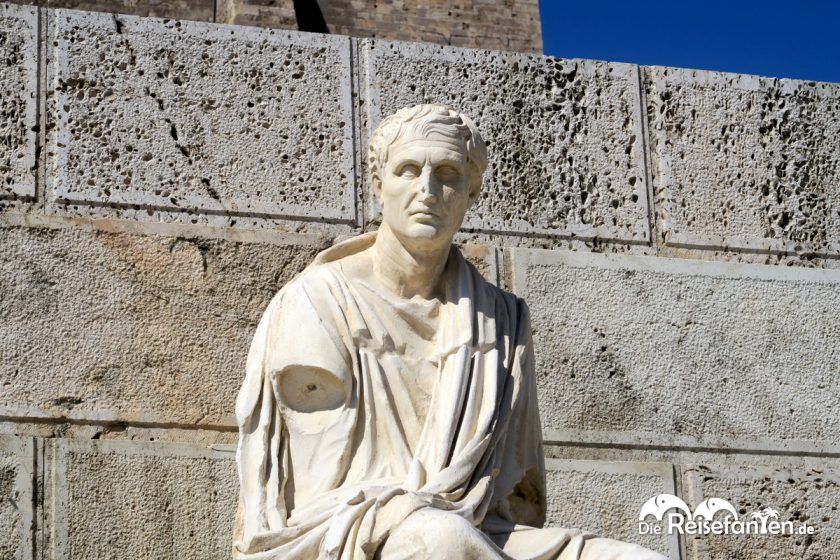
670 352
18 99
181 116
743 162
808 497
118 500
604 498
566 155
16 497
118 326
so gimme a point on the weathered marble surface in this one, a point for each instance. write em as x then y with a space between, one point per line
605 496
808 496
17 491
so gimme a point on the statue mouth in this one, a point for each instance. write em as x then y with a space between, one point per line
423 212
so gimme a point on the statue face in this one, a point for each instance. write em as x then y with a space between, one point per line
425 188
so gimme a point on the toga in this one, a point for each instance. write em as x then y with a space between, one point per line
336 483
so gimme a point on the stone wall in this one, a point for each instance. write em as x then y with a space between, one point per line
511 25
676 234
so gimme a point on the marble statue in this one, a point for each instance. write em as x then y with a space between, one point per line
389 406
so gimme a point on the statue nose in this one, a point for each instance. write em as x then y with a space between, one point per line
427 186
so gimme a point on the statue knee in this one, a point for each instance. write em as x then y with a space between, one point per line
433 534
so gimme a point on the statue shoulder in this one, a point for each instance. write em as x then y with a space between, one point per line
315 284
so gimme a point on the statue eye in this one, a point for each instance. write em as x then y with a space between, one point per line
447 173
409 171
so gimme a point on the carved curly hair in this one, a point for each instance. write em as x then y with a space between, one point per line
421 121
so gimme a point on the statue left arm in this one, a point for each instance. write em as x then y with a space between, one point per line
520 485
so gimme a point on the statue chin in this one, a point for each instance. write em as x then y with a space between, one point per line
426 232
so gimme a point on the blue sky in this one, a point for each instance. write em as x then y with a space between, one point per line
781 39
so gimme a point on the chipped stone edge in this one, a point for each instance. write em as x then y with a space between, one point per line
29 17
523 258
162 229
61 139
672 76
60 448
224 423
656 441
23 449
664 471
371 49
735 243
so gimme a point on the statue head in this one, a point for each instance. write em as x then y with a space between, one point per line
426 164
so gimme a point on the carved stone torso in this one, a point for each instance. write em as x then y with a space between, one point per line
416 355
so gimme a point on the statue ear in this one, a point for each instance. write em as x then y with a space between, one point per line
376 185
475 187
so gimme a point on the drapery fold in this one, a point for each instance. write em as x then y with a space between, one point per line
335 483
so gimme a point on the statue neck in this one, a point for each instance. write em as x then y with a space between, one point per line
408 270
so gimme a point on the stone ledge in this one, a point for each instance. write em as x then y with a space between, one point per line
163 229
674 443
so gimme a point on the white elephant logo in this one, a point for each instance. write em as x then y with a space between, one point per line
708 508
658 505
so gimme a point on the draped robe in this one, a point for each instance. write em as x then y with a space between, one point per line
335 483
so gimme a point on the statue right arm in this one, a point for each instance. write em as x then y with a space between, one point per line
307 359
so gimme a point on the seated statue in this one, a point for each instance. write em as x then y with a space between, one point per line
389 408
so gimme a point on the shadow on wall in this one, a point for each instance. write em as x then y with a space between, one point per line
309 16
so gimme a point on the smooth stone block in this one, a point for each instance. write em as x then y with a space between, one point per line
804 496
180 115
566 156
654 351
743 162
604 498
16 497
18 99
118 500
118 326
